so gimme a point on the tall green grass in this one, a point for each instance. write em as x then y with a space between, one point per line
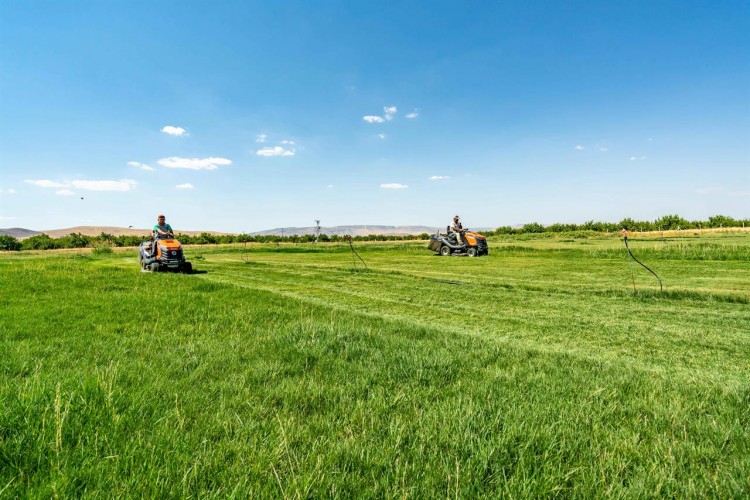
284 372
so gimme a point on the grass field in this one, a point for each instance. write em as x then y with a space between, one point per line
284 371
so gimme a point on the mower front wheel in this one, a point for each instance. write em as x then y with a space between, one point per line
445 251
471 252
187 268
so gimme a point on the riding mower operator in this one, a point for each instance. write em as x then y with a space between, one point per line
161 230
457 228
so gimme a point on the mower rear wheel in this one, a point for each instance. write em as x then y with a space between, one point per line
445 251
187 268
471 252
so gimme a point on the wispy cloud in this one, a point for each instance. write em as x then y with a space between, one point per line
581 147
636 158
412 115
45 183
708 190
394 185
743 194
194 163
7 191
7 217
373 119
187 185
140 165
65 192
121 185
261 138
176 131
382 136
275 151
288 142
439 177
389 111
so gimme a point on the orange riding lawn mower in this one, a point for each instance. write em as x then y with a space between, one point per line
163 254
472 244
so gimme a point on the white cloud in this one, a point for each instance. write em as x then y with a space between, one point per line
140 165
65 192
580 148
289 143
373 119
8 191
121 185
382 136
275 151
187 185
439 177
633 158
389 112
330 186
46 183
261 138
194 163
394 185
412 115
176 131
603 150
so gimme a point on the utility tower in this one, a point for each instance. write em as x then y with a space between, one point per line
317 230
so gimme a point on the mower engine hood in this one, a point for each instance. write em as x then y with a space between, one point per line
170 245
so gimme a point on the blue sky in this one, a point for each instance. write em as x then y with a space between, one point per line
242 116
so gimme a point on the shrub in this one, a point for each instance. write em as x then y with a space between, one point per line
102 248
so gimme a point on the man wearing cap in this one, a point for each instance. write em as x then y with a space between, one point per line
161 230
457 228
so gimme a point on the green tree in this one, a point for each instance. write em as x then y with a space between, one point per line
39 242
532 227
8 242
671 222
722 221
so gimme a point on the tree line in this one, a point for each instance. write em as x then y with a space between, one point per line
104 240
665 223
78 240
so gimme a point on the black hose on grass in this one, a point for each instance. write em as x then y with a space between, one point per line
354 252
661 289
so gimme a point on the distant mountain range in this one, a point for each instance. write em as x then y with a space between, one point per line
18 232
349 230
21 233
